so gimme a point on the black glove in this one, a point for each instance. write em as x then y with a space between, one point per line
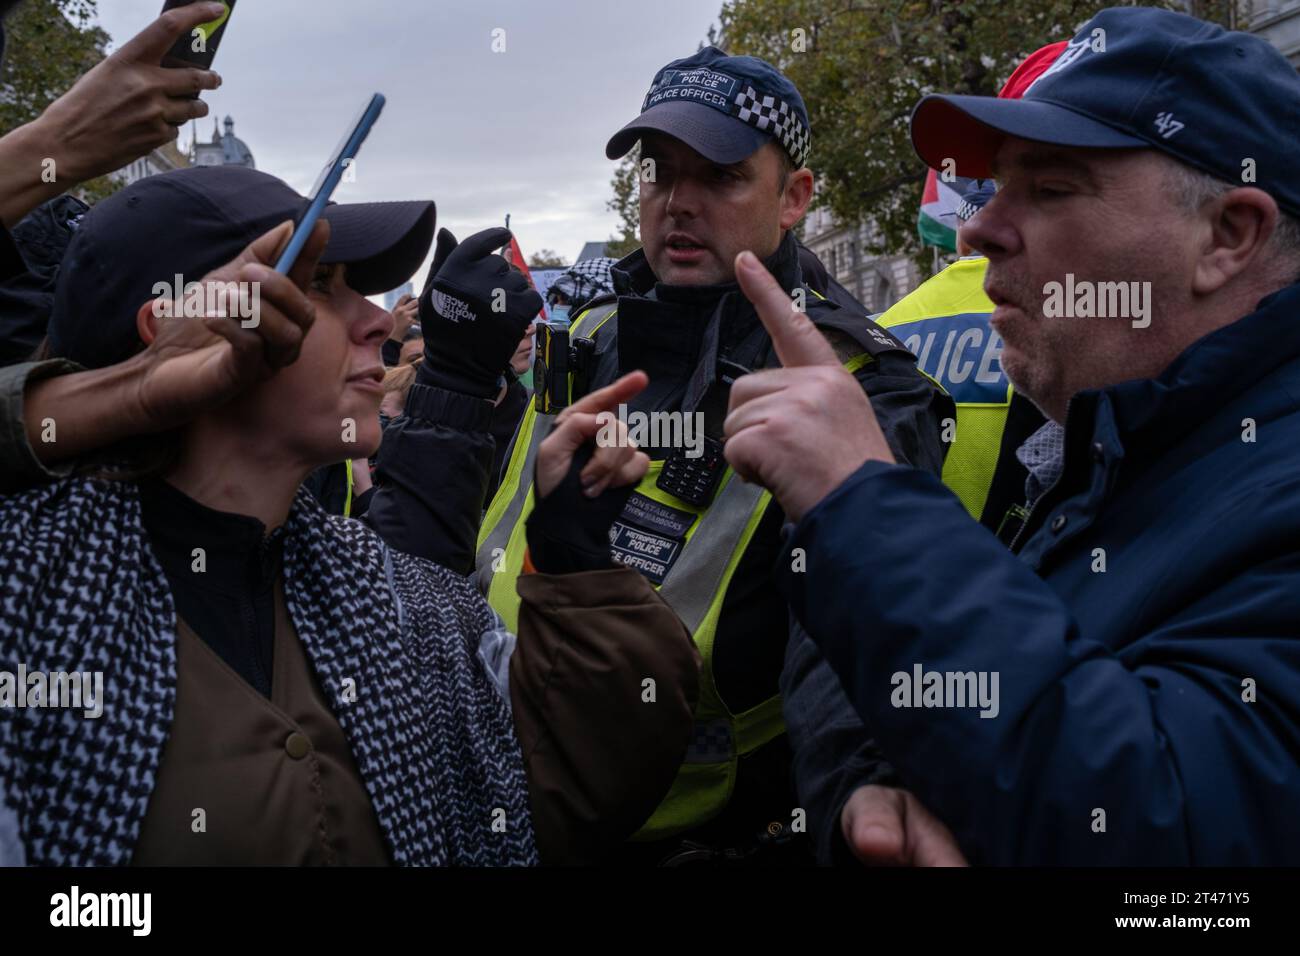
467 342
567 531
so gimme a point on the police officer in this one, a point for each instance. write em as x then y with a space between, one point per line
724 146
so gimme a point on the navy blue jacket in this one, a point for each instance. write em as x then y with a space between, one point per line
1155 585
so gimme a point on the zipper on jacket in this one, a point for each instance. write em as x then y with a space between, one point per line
1033 507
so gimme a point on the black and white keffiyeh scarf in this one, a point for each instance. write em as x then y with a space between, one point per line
83 591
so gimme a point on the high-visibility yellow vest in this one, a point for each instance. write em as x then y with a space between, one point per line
701 565
347 502
945 324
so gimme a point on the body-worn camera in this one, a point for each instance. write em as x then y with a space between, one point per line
558 358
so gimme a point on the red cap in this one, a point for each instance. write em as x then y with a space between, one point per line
1034 66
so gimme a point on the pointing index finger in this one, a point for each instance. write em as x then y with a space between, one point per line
607 399
795 338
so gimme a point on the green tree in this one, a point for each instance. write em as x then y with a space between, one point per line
862 66
49 45
626 203
546 259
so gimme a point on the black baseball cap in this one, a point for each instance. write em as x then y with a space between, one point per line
723 107
192 221
1139 77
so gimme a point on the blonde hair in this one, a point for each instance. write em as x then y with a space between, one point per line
400 379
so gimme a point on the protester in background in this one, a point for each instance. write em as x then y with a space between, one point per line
577 286
412 345
510 406
405 329
1136 666
397 382
372 696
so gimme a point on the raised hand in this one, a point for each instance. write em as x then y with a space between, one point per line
802 429
193 364
473 311
615 462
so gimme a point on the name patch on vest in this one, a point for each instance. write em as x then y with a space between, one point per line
649 536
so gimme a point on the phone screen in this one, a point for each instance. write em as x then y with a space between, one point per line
198 48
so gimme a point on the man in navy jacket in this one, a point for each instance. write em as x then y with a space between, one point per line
1123 687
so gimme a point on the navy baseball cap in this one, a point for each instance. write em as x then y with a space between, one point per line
723 107
1140 78
192 221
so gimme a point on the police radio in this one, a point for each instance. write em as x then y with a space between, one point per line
558 358
695 480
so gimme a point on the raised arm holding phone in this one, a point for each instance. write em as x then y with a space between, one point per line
126 106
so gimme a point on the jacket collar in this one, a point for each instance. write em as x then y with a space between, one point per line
1145 421
678 332
1155 413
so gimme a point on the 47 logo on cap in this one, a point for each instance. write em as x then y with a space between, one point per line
1167 125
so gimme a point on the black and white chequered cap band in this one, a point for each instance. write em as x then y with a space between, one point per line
774 116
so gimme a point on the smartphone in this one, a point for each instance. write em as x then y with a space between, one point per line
344 154
198 48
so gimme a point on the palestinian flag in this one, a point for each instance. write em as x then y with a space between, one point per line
937 220
515 256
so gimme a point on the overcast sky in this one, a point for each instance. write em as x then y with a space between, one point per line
480 133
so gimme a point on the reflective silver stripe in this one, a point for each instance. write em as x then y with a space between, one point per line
696 578
499 537
589 318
